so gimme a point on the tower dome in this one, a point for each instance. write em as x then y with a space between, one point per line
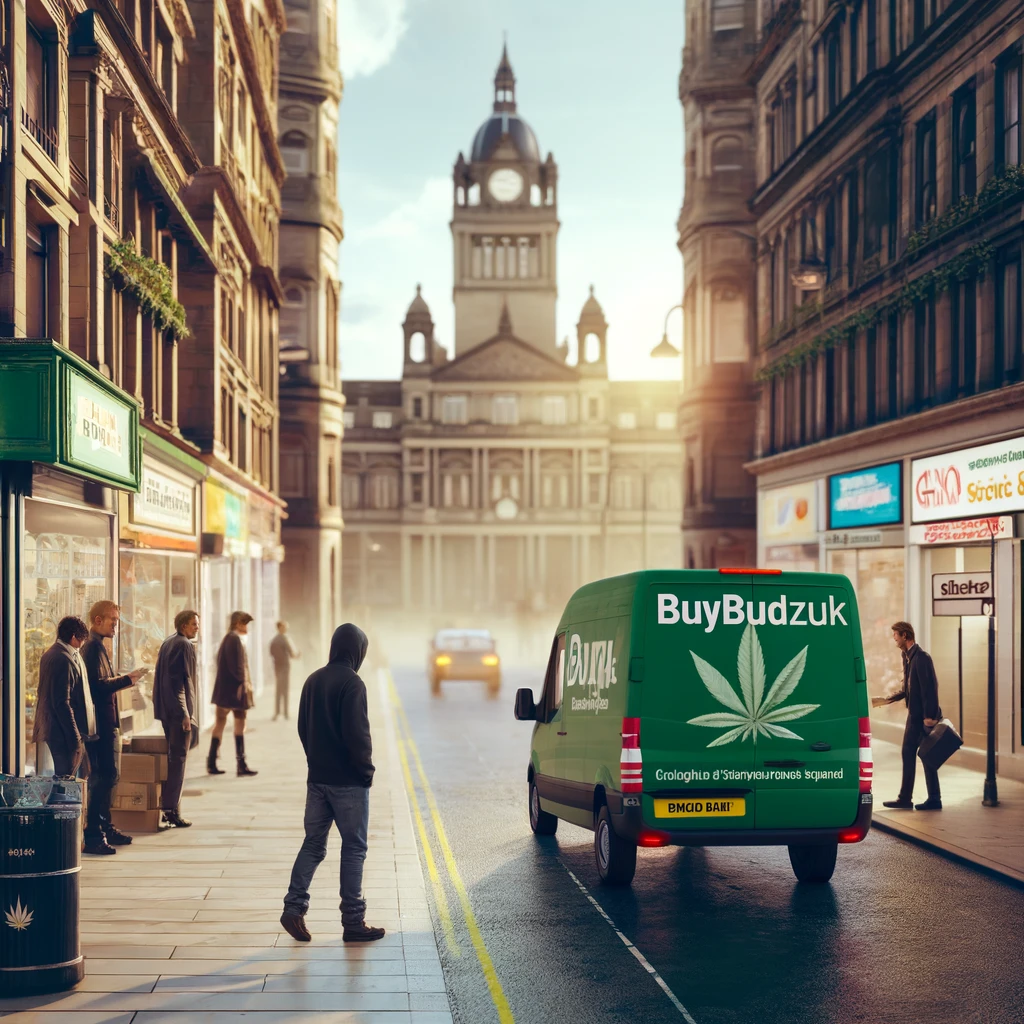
504 122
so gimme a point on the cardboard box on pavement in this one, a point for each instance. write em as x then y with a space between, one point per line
143 767
149 744
136 821
136 796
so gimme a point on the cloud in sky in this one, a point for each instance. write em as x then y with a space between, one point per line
368 34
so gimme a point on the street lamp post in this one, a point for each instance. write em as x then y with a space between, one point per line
665 349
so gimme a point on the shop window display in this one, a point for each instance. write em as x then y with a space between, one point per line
878 576
67 567
154 588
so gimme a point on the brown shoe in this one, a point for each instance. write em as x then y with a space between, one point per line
295 926
361 932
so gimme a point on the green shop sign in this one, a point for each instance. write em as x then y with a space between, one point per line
55 408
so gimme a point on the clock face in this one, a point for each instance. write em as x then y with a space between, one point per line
505 185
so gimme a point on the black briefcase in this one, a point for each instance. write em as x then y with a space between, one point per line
940 743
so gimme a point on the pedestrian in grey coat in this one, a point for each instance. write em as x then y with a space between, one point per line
174 704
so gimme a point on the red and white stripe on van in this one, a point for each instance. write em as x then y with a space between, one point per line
867 764
631 762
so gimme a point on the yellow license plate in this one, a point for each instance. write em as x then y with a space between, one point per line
701 807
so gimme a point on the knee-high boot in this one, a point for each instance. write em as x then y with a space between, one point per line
211 759
243 768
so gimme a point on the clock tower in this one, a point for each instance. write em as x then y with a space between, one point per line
505 229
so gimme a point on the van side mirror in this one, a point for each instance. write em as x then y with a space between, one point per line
526 710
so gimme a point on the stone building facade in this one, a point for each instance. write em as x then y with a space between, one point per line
500 480
888 198
717 241
138 255
310 386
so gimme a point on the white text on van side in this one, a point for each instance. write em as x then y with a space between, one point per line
590 664
732 610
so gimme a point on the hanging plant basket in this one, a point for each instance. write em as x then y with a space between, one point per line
149 283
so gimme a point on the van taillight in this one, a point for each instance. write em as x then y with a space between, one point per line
867 764
631 765
740 571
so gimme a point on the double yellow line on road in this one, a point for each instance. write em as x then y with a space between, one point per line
407 746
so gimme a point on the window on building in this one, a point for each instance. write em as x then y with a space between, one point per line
876 202
348 418
853 35
295 153
665 421
833 68
243 441
417 407
553 410
292 460
417 488
351 488
626 421
828 385
924 352
595 489
728 161
332 480
924 14
892 366
37 280
1008 108
554 488
505 410
454 409
41 89
726 15
871 35
852 223
924 170
787 110
964 143
1008 355
593 408
384 488
963 369
382 419
871 376
456 486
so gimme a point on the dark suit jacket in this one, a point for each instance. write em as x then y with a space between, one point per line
61 720
175 682
104 685
920 685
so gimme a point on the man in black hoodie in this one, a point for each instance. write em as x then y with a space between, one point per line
335 733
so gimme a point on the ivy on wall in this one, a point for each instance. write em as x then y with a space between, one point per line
972 261
148 282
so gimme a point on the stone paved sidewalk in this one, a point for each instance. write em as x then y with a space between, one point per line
183 925
991 837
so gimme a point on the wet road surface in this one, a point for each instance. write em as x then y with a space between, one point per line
900 935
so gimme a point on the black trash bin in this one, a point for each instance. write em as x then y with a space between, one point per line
40 861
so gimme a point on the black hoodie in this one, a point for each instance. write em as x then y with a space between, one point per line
333 724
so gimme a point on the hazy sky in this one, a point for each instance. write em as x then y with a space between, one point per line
597 82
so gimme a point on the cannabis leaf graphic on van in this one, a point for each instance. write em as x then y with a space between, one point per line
752 711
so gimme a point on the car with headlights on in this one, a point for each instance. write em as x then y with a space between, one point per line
464 655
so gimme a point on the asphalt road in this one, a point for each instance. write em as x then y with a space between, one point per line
900 934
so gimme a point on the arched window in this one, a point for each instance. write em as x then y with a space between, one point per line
295 153
418 347
728 162
591 348
474 195
535 195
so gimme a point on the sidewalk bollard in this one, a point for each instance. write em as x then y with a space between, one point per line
40 861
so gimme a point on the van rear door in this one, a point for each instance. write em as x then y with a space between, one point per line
807 752
698 752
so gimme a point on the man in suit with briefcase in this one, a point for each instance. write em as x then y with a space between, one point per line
921 694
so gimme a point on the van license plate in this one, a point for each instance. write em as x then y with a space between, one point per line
701 807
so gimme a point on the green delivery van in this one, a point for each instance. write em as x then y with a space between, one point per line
705 708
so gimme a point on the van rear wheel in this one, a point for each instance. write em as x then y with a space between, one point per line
615 856
542 823
813 863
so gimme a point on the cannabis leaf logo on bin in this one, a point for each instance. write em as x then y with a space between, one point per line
19 917
755 712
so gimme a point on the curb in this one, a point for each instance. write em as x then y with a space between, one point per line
984 867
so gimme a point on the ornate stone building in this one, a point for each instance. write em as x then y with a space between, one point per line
888 198
501 479
716 238
310 390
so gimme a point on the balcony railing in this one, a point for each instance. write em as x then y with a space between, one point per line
43 134
111 212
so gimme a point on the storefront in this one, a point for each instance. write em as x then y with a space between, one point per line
788 526
242 552
159 560
866 542
965 510
69 443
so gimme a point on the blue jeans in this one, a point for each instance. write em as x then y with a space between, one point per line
348 807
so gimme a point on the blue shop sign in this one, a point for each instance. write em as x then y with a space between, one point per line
866 497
